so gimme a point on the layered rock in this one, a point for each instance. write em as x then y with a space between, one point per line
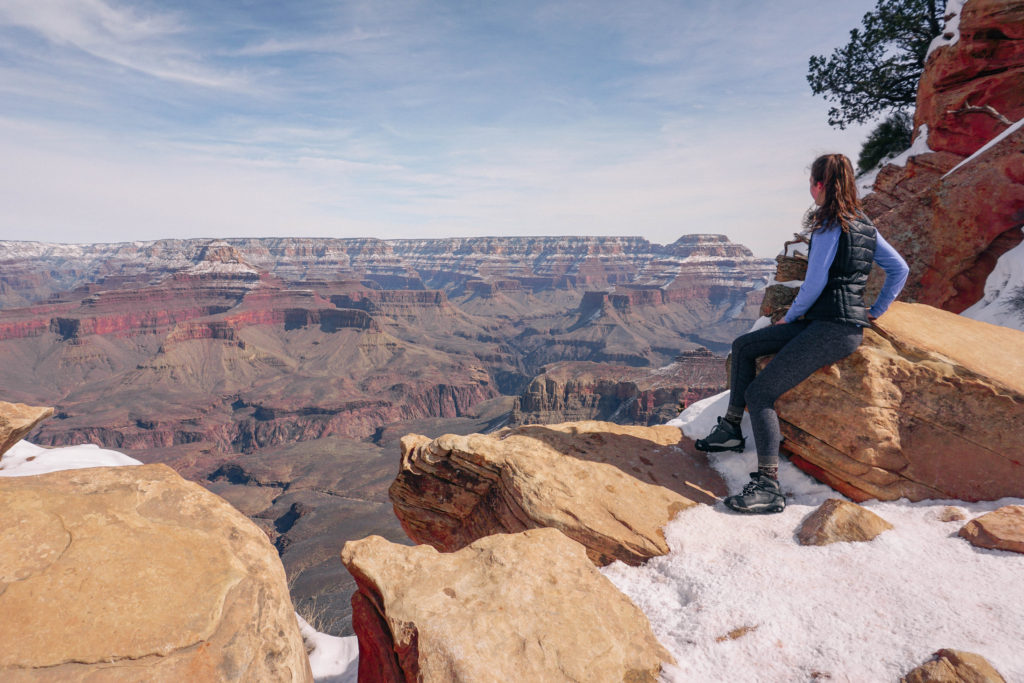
930 406
32 270
1001 529
602 485
523 607
17 420
838 521
135 574
954 210
573 391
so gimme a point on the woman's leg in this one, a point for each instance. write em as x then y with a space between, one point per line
747 348
819 344
727 435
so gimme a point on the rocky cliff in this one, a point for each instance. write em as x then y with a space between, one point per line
573 391
32 271
954 209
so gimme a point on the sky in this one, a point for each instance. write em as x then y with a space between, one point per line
126 120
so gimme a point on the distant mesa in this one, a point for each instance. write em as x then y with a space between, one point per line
221 259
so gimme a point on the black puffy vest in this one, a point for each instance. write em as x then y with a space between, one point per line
842 300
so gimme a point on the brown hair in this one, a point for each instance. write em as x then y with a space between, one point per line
841 203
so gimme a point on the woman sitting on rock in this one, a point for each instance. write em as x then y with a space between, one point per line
824 325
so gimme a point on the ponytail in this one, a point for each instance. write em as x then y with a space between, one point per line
841 204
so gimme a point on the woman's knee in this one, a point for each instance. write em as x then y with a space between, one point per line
757 396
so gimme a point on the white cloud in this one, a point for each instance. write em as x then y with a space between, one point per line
122 36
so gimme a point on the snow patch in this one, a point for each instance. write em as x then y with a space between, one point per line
866 182
738 598
1003 302
25 459
951 32
332 659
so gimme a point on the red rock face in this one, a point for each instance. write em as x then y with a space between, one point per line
984 68
954 211
953 230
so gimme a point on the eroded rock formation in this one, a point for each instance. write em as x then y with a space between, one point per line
132 573
509 607
954 210
603 485
930 406
573 391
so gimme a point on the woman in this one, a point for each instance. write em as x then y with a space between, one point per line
825 324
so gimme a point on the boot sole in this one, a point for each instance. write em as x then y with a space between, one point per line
767 509
702 446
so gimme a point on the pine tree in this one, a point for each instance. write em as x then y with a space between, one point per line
891 137
878 69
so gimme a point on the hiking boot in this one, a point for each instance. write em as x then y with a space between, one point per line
724 437
761 496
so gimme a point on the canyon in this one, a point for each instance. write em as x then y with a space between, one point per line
281 373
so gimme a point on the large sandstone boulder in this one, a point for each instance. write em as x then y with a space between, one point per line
509 607
952 225
930 406
610 487
17 420
132 573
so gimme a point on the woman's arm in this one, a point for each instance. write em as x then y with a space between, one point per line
896 272
819 260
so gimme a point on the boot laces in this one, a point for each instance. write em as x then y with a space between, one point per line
751 487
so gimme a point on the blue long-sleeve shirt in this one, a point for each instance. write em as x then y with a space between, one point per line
819 260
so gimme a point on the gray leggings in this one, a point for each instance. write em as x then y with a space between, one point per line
800 348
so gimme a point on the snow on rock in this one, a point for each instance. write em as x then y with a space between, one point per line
866 181
333 659
987 146
25 459
739 598
1003 302
951 32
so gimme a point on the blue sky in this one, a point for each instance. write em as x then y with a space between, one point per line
136 120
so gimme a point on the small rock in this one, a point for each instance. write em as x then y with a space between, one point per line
1002 529
840 520
17 420
951 514
954 666
738 632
